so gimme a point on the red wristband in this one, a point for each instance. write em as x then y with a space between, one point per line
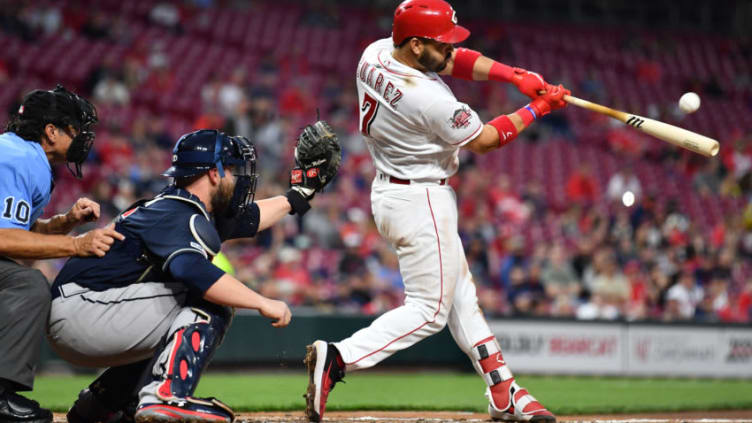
464 61
500 72
506 129
527 114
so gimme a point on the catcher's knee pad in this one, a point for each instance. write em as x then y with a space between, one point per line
189 347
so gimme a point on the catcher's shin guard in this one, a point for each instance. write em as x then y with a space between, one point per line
325 369
507 401
194 336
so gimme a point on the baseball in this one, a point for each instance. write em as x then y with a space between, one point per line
689 102
627 198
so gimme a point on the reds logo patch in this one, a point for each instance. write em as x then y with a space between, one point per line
296 176
313 172
460 118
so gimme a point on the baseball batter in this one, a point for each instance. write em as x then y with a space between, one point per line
414 127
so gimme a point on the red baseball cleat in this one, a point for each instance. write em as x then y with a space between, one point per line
509 402
325 369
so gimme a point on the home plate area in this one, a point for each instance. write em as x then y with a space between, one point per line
731 416
451 416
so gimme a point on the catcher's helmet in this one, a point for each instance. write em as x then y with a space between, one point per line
434 19
61 108
199 151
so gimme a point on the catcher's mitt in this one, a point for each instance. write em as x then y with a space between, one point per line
317 159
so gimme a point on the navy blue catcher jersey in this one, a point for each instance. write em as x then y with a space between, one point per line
156 231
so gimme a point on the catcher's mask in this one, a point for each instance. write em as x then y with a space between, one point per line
201 150
63 109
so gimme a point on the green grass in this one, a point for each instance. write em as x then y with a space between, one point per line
443 391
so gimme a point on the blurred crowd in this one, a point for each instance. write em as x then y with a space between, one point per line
613 251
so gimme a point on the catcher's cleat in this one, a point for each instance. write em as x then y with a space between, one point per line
325 369
88 409
187 410
523 408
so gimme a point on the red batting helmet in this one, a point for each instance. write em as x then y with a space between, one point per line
434 19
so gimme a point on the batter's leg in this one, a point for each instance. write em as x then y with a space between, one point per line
507 400
421 223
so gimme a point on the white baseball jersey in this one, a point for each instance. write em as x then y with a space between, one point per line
412 123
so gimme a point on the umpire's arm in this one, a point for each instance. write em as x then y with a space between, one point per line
23 244
84 210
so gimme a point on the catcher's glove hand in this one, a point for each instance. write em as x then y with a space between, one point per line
317 159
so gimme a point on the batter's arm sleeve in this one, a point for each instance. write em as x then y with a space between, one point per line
452 121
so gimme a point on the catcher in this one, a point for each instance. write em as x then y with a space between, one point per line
154 308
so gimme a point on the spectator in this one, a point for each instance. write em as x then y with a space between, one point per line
167 15
97 26
623 181
609 283
682 298
210 94
232 93
582 188
111 91
558 276
525 293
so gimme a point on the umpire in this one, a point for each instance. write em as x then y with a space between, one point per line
50 127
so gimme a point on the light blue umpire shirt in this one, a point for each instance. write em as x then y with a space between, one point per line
25 181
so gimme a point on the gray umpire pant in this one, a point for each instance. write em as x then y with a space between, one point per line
24 306
114 327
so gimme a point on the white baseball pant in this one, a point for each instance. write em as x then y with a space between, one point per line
420 220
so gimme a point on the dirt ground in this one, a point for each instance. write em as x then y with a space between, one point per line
736 416
452 417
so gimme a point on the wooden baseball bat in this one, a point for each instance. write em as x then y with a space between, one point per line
673 134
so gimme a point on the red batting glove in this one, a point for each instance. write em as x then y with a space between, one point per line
553 99
559 103
529 83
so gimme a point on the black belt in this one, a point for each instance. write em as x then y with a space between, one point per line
395 180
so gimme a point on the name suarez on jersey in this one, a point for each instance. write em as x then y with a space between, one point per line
369 75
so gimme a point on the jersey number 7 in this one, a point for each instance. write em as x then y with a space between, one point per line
368 113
